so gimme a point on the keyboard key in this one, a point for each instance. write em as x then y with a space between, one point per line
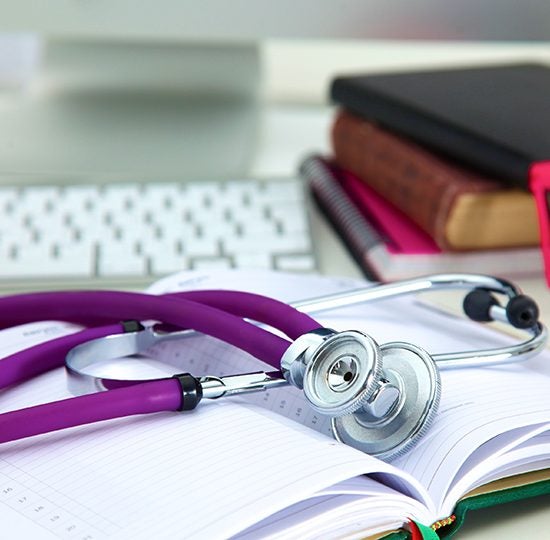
247 245
293 263
168 263
210 263
255 229
43 262
120 260
253 260
283 191
292 243
290 216
200 247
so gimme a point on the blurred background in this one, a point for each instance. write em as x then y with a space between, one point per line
175 84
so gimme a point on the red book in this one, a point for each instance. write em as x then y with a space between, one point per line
459 208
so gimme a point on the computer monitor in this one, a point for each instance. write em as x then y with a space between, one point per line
171 88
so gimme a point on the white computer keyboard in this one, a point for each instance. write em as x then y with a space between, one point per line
132 232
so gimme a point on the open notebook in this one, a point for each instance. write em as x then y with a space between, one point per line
265 466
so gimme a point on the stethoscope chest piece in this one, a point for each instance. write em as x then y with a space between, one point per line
338 371
401 409
382 398
341 375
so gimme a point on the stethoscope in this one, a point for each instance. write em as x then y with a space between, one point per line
382 398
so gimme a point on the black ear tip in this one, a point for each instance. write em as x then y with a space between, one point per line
477 304
522 311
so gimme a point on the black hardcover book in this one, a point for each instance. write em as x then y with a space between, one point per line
494 118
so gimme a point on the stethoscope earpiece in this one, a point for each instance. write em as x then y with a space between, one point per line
521 311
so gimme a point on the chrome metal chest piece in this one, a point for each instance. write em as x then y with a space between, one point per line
382 398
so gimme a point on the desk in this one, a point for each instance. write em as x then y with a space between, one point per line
305 129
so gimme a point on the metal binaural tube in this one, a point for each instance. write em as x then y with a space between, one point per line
461 359
490 357
411 286
217 387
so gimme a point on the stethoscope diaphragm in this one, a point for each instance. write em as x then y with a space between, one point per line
413 373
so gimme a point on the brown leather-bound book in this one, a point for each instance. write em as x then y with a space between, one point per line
458 207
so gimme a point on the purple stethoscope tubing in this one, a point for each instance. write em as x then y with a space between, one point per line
216 313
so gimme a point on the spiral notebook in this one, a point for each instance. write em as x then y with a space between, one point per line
265 466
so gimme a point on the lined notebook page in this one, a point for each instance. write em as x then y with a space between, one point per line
477 407
314 517
20 337
209 474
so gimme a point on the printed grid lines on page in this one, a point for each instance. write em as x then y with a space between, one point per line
270 476
113 468
51 509
287 401
141 439
269 480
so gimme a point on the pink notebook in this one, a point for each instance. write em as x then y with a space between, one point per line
402 235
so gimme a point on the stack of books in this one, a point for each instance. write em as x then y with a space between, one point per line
419 181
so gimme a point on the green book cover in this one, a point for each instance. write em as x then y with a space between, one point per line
496 493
